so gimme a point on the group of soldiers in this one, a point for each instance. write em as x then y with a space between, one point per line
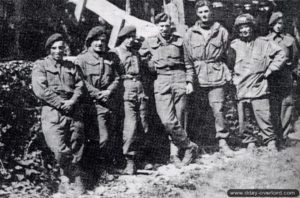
79 95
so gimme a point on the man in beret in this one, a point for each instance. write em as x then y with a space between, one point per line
58 85
254 59
281 81
135 94
101 80
174 81
205 51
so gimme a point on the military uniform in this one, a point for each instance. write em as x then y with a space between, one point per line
135 96
53 82
204 51
281 82
99 73
170 85
252 61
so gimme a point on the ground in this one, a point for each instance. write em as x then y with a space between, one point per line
211 176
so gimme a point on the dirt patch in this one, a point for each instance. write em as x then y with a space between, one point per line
211 176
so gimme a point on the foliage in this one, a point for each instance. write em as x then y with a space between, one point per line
25 163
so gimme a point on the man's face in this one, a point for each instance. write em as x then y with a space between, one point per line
278 27
129 40
57 50
99 44
165 28
245 31
204 14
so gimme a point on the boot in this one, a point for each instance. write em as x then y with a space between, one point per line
272 146
64 185
175 160
190 154
225 149
251 147
294 136
78 174
130 168
174 155
79 185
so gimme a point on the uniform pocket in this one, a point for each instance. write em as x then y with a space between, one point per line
69 78
52 77
92 73
161 85
258 64
174 51
50 114
216 44
197 50
215 72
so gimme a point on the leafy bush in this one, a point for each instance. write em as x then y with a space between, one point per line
25 162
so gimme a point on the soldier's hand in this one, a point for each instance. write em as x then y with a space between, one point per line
67 105
104 95
189 88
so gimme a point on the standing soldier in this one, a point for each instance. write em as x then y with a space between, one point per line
174 81
205 48
101 80
58 84
281 82
134 80
254 59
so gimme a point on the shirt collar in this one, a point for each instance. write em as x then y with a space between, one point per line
94 54
214 27
275 35
170 40
53 62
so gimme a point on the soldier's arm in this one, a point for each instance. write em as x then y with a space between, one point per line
146 57
230 58
114 85
41 89
277 56
79 85
116 72
295 57
93 91
225 41
188 60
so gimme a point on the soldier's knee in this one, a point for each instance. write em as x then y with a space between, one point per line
217 107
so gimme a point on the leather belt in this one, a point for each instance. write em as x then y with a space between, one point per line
131 77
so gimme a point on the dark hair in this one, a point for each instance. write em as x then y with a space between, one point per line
201 3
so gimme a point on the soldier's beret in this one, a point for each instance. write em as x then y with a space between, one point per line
161 17
126 30
275 17
53 38
93 33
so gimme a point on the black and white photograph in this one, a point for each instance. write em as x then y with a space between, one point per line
149 98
